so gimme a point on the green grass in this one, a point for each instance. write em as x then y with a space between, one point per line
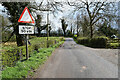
113 45
21 69
10 51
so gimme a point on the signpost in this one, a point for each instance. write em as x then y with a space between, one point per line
26 17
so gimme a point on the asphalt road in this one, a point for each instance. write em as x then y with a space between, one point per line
76 61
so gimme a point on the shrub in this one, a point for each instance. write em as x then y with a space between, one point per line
113 45
21 69
75 36
51 42
62 39
36 46
83 40
31 37
69 33
98 42
10 57
12 54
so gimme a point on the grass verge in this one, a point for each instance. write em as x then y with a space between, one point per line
22 69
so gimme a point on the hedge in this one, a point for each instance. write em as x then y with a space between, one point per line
98 42
11 55
113 45
22 69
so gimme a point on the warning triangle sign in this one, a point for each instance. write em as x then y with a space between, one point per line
26 17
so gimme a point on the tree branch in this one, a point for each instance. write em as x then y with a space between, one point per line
9 37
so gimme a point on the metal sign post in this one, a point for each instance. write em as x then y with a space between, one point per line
27 54
26 17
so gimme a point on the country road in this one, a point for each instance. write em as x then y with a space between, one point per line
76 61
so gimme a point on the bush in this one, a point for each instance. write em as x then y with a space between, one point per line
62 39
83 40
75 36
31 37
9 57
50 43
36 46
69 33
21 69
98 42
12 54
113 45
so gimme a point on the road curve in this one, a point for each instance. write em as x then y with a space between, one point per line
76 61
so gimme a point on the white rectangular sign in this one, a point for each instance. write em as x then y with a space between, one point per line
23 29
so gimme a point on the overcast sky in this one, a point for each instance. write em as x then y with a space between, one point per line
56 23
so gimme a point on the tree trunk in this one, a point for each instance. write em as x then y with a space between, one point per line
71 29
64 33
77 31
18 37
83 33
49 33
91 31
39 32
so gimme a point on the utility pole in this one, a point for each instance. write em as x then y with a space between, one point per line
47 21
77 27
47 24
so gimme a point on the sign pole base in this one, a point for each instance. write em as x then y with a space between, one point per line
27 54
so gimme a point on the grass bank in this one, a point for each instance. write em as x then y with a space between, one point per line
24 68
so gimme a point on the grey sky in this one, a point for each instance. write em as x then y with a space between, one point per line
56 23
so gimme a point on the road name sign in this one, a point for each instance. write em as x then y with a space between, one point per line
26 17
23 29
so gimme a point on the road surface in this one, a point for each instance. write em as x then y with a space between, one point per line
76 61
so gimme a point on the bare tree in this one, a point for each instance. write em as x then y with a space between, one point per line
37 8
95 11
64 26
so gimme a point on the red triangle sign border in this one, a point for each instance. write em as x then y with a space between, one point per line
22 15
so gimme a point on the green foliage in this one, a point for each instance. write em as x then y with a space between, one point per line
14 11
6 29
36 46
31 37
20 70
60 32
75 36
11 55
98 42
107 30
113 45
69 33
62 39
83 41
